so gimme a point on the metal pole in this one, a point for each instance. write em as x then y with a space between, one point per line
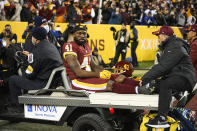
99 12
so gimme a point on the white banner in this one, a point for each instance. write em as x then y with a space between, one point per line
53 113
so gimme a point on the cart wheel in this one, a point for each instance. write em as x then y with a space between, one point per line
91 122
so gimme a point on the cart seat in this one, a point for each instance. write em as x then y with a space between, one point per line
65 79
66 85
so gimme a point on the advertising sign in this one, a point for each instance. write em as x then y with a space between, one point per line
44 112
101 36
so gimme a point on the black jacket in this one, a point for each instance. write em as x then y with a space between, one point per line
28 46
7 54
45 58
26 15
106 13
175 60
72 14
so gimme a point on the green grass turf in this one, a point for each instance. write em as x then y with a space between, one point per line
142 68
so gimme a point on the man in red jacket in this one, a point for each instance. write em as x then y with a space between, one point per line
192 38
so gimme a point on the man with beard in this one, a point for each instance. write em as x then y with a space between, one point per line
76 59
122 40
85 75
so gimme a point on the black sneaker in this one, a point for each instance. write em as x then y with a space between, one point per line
158 122
144 90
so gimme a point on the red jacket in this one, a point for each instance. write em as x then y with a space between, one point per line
47 14
87 13
193 54
128 86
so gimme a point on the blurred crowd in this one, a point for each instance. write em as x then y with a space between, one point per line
142 12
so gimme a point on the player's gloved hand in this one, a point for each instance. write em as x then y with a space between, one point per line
105 74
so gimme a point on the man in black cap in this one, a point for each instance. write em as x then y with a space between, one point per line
38 22
175 70
42 60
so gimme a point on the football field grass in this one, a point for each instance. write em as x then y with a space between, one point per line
142 68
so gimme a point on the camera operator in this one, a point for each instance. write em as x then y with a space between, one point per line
8 36
8 47
7 42
122 38
8 67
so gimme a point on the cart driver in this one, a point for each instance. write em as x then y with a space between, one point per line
41 62
85 75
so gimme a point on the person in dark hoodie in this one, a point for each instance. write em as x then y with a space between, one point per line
26 14
72 16
41 61
38 22
175 70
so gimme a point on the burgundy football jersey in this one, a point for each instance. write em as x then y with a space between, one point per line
82 53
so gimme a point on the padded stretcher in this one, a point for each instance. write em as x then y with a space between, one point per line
102 100
124 99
